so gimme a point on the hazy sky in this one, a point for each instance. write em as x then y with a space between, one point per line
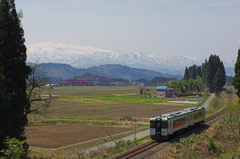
161 27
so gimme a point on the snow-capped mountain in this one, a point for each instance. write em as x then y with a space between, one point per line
83 57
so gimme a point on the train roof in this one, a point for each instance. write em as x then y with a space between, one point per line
179 113
193 109
173 114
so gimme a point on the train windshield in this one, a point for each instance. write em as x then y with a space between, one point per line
164 124
152 124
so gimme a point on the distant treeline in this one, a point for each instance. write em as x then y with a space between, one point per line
209 77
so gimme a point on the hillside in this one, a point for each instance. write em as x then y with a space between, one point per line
65 71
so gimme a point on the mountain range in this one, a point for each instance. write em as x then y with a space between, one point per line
85 57
57 71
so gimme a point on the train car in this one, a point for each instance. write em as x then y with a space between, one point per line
165 125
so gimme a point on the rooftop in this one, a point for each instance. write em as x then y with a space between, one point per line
161 87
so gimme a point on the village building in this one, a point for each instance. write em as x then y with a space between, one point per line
97 80
75 82
165 92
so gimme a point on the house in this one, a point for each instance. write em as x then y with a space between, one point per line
75 82
165 92
97 80
105 81
65 83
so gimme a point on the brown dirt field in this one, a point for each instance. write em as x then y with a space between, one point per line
60 135
114 110
55 136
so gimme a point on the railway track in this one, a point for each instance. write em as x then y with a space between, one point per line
215 116
143 148
218 114
152 144
148 146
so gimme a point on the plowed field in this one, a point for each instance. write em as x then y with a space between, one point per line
55 136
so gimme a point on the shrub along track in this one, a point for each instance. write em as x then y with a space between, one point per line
147 147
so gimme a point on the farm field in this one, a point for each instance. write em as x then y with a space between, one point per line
60 135
85 113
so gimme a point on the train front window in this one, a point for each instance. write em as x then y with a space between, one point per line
158 124
152 124
164 124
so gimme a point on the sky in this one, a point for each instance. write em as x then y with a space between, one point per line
161 27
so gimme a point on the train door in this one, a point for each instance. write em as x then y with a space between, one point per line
170 127
187 120
191 119
164 128
158 129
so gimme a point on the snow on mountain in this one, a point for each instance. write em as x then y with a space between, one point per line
229 62
84 56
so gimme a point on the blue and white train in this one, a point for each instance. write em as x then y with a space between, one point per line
165 125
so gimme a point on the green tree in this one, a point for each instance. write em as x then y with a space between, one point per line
210 68
159 80
229 80
219 81
186 74
236 78
14 149
14 72
209 74
193 72
199 71
4 111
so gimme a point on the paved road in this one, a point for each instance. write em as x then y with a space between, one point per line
139 134
206 104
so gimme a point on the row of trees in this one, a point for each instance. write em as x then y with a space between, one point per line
185 87
193 72
154 81
212 74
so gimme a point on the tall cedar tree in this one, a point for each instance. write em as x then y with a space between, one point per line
199 71
236 78
210 69
219 81
193 71
186 74
13 74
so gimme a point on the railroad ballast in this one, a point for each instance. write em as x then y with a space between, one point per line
165 125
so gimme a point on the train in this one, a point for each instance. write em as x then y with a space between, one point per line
166 125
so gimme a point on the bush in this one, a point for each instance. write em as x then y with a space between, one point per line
15 149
